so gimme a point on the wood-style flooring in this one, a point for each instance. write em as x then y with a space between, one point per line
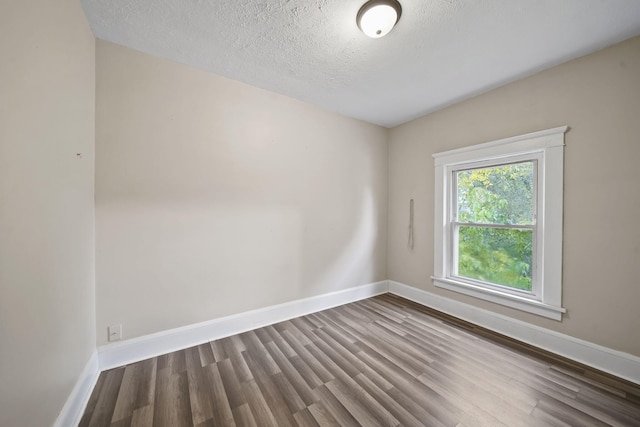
381 361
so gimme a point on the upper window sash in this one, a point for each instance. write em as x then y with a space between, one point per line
534 157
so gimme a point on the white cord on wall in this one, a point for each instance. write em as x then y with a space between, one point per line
410 242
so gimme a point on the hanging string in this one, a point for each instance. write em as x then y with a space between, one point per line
410 242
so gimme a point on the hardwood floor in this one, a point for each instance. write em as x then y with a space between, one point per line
381 361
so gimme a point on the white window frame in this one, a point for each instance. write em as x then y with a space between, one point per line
546 148
534 158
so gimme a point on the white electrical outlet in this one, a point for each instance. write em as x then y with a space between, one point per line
115 332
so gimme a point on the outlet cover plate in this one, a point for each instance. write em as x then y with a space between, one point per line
115 332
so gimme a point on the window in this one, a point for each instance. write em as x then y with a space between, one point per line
498 229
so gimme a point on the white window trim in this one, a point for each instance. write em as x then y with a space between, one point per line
549 146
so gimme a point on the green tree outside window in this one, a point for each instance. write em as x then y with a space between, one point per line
495 219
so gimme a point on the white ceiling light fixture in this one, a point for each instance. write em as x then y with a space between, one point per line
377 17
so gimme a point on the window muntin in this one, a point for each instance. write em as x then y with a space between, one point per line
493 229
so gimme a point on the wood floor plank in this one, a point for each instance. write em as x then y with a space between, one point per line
441 409
394 408
477 394
542 418
395 353
277 393
206 354
358 394
418 411
222 414
383 361
322 415
305 419
244 417
301 351
280 342
259 407
199 392
288 394
338 356
612 402
453 392
293 378
340 336
306 373
147 383
125 422
337 410
232 387
568 414
326 361
172 407
298 335
333 321
263 335
362 413
93 401
103 411
305 326
233 347
125 403
478 417
142 417
257 349
219 354
174 361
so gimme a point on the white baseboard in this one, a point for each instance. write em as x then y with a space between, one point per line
615 362
136 349
73 408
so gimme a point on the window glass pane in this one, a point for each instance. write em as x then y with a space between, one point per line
496 255
496 195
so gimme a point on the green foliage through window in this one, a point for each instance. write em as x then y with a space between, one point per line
503 196
496 255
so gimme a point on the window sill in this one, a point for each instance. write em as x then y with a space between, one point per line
502 298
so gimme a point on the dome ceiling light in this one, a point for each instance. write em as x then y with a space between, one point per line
377 17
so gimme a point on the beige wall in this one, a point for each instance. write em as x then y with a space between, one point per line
47 296
214 197
598 96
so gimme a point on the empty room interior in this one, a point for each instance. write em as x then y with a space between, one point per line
319 212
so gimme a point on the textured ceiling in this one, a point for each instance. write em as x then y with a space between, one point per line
441 51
